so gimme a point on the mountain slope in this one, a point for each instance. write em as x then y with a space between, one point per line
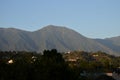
49 37
112 43
14 39
65 39
115 40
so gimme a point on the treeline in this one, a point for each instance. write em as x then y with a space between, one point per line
33 66
92 61
52 65
92 65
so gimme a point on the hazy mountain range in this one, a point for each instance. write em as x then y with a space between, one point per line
60 38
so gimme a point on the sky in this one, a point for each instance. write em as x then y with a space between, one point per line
91 18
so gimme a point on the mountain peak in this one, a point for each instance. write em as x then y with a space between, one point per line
53 27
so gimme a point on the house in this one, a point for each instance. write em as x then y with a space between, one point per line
10 61
95 55
72 60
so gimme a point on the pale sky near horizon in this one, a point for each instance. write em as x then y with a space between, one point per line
91 18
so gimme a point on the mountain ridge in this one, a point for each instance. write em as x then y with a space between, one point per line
61 38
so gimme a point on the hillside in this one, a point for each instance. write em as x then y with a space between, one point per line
112 43
49 37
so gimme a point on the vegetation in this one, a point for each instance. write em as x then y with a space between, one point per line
92 62
52 65
32 66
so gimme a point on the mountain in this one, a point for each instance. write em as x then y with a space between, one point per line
49 37
14 39
112 43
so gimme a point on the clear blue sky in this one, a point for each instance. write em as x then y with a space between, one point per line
91 18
